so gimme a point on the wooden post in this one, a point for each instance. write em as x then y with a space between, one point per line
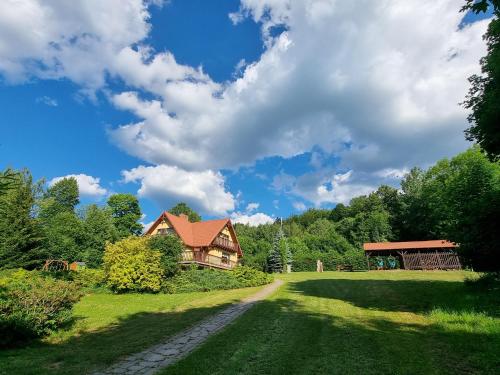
403 253
368 260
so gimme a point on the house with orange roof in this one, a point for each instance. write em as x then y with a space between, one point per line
210 243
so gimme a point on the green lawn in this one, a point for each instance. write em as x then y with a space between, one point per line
108 326
395 322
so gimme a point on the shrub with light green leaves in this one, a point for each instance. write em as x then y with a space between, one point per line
32 305
131 265
89 278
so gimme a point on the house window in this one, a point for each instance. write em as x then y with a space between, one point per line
224 236
165 231
225 257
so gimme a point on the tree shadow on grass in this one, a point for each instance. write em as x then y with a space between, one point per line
89 351
417 296
286 336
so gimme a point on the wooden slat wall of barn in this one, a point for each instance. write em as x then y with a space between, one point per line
431 260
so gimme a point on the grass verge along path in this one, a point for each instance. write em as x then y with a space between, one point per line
172 349
108 327
396 322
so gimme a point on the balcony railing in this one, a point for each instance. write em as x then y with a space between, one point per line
211 260
224 243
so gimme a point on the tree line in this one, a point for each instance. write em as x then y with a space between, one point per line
38 223
457 199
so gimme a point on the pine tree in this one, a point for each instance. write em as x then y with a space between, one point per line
274 260
20 232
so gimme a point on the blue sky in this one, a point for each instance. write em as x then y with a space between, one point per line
251 110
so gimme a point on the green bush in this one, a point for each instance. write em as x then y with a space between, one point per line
204 280
248 276
131 265
32 305
331 260
356 259
89 278
171 249
303 262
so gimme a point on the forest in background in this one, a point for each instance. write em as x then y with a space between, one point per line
456 199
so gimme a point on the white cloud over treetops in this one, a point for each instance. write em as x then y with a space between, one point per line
166 185
87 185
383 77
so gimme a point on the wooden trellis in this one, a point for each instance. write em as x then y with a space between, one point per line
429 260
54 265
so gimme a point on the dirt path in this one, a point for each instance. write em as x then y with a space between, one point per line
174 348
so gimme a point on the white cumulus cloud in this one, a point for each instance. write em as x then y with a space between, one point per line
374 82
251 207
166 185
253 220
87 185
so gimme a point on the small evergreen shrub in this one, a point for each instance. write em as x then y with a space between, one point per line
131 265
33 306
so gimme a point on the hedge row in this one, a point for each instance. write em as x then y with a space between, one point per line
204 280
331 261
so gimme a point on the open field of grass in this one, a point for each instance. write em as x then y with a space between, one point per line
392 322
108 326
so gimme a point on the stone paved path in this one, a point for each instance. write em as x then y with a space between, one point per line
151 360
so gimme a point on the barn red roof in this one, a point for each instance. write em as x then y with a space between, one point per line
197 234
432 244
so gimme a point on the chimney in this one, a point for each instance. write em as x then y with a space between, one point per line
184 216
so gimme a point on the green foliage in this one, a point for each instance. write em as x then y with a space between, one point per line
126 213
33 306
20 232
274 258
99 229
171 249
183 208
248 276
323 237
62 196
204 280
355 259
466 201
309 217
8 180
482 98
306 261
63 230
89 278
131 265
64 236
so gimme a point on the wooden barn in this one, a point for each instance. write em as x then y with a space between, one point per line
417 255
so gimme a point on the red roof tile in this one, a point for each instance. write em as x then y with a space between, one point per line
197 234
432 244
